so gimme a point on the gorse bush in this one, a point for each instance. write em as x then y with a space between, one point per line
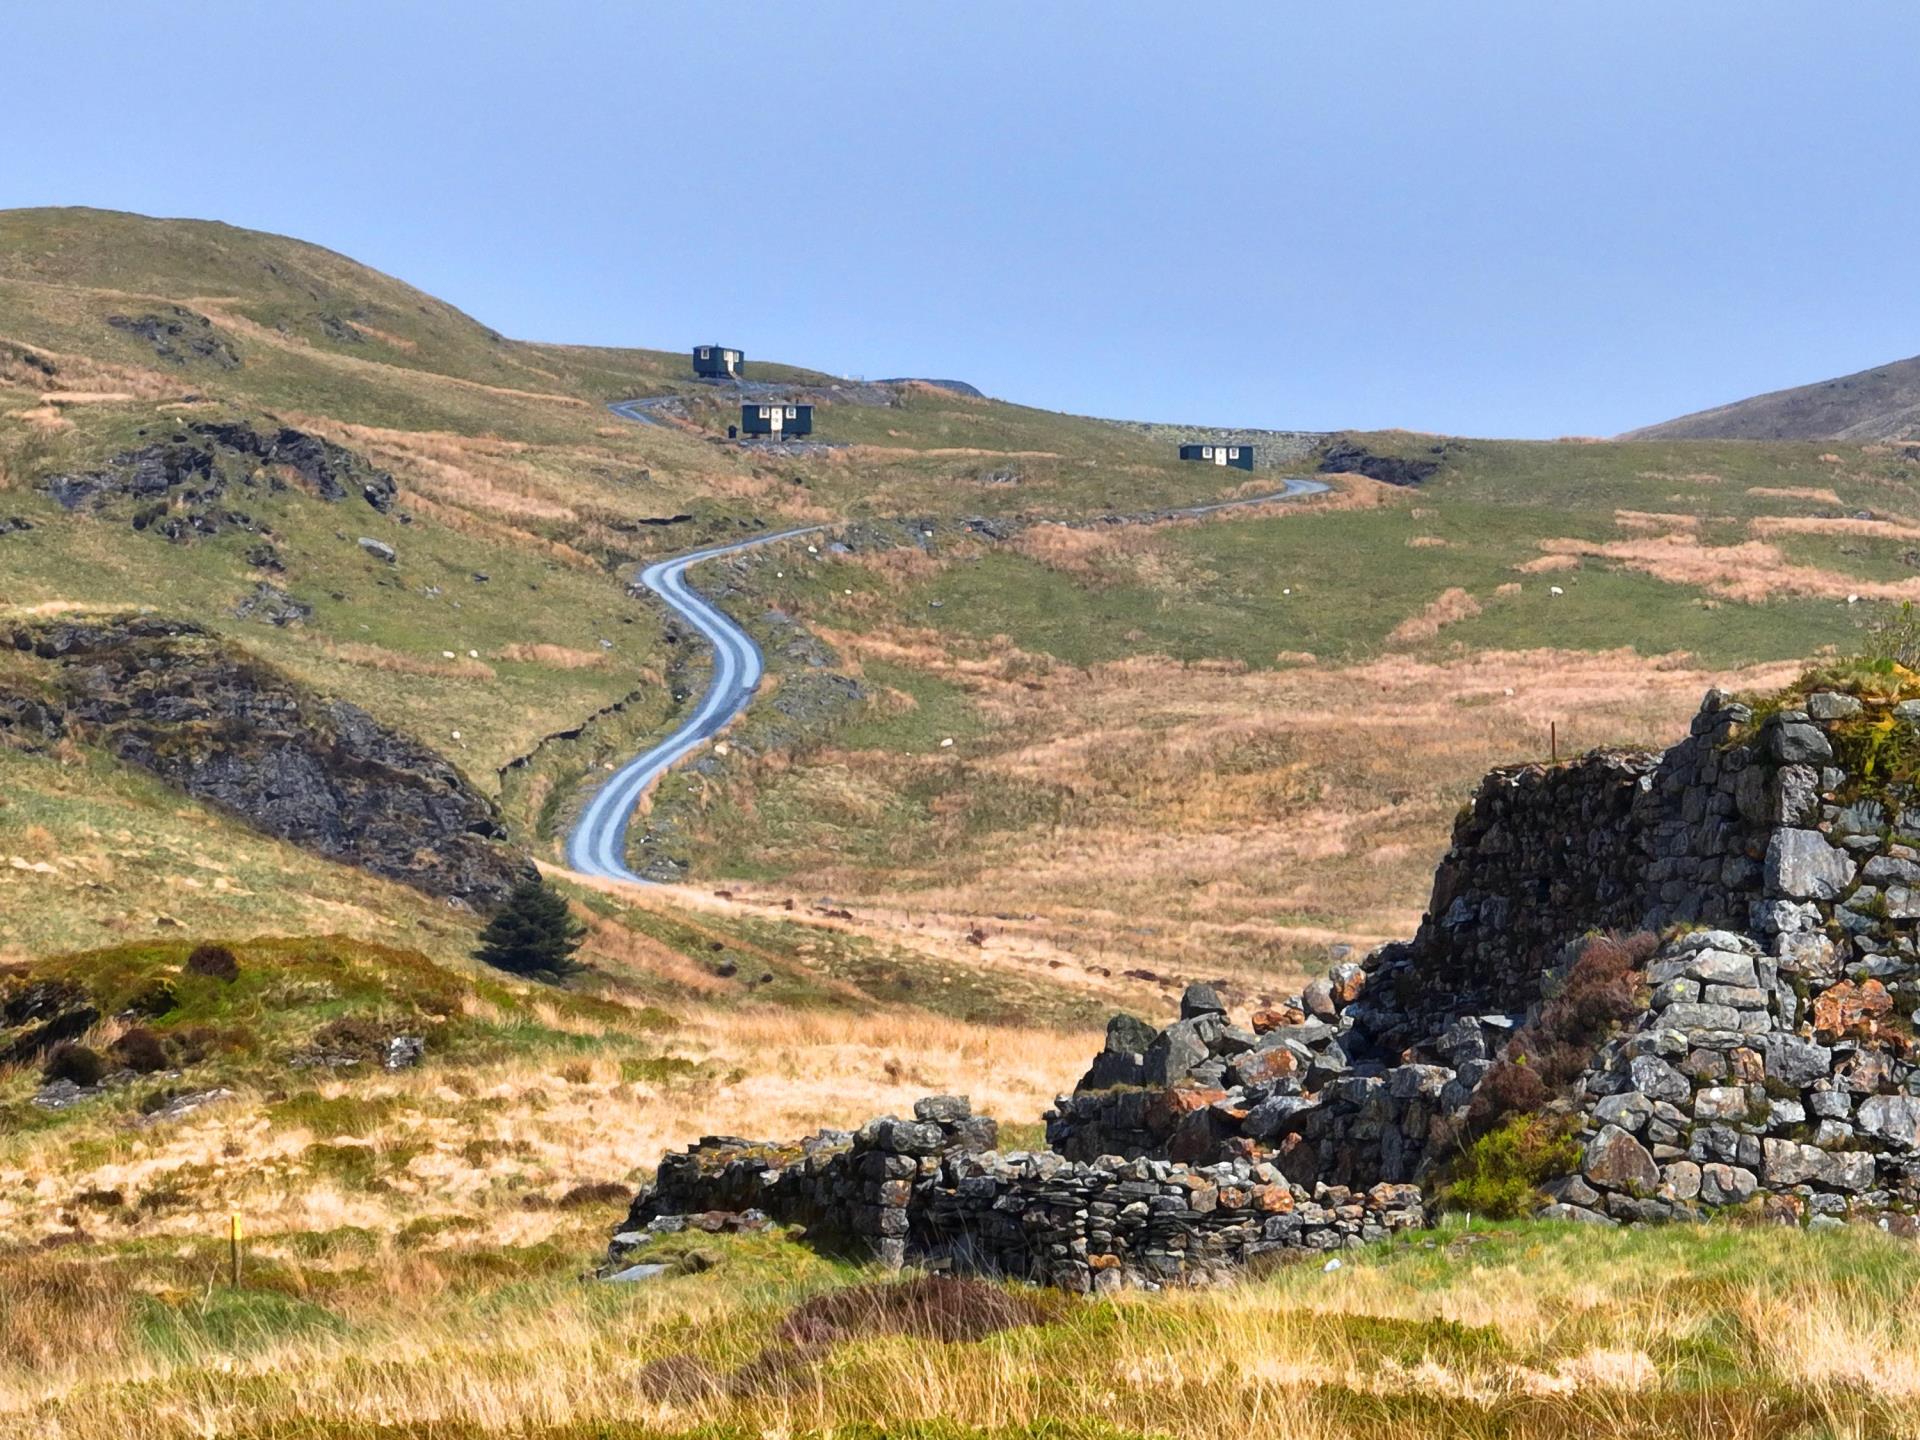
533 934
1500 1174
1894 638
1602 988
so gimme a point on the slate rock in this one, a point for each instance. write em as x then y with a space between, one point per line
1201 999
1726 1184
1801 865
1798 744
1892 1118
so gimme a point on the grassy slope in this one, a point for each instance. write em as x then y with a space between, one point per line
1497 1333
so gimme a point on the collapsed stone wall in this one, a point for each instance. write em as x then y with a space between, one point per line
1773 1057
1612 841
1771 1062
933 1189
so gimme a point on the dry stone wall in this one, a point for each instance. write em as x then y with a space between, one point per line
934 1190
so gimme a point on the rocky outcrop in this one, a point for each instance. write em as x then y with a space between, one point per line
195 482
226 728
180 336
1344 455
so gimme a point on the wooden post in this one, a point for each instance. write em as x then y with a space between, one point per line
233 1252
1553 739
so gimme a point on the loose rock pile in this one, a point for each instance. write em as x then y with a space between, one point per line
934 1189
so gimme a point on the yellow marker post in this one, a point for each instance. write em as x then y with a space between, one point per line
233 1251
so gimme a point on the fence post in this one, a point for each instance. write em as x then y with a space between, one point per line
233 1252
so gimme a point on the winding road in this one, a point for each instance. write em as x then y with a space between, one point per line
597 845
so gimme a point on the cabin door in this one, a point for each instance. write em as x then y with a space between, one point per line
1219 454
777 414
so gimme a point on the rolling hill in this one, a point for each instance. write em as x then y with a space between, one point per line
1880 404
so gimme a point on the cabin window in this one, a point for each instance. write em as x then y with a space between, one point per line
765 414
1206 452
1234 453
705 353
792 414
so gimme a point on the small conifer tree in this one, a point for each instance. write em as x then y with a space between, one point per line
533 934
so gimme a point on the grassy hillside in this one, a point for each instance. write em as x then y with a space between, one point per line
1229 744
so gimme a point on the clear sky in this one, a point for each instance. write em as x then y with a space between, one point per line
1536 218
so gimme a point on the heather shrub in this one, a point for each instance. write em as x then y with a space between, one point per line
140 1050
216 962
75 1062
1604 987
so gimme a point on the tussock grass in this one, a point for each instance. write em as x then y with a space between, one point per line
1531 1331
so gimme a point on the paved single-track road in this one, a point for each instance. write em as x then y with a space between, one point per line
597 845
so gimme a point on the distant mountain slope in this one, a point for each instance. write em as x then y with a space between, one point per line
1878 404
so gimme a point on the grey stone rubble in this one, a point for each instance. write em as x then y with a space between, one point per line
1771 1067
934 1190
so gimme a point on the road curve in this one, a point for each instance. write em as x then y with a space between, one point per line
597 845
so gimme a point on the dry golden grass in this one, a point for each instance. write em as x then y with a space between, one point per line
1818 494
1890 529
554 657
1651 522
1546 564
1533 1333
1751 571
1201 822
475 1143
1450 607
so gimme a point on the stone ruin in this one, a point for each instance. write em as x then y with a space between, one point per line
1772 1065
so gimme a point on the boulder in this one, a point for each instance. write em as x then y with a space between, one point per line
1317 1000
1201 999
1657 1080
1851 1009
1614 1160
1798 744
1892 1118
1801 865
1176 1050
1726 1184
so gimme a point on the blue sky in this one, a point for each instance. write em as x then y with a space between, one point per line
1482 218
